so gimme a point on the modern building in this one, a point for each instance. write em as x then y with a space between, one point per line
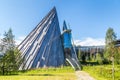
43 47
88 51
117 43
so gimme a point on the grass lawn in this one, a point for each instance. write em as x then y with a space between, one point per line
66 73
103 72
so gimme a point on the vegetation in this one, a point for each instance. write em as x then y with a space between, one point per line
104 66
111 52
103 72
110 49
99 58
63 73
9 61
117 56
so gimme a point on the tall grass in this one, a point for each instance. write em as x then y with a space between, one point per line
103 72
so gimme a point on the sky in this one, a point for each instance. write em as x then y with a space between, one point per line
88 19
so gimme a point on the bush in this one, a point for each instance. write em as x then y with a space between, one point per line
99 58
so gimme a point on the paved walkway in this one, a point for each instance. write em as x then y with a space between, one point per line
81 75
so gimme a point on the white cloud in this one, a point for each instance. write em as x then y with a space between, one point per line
19 39
90 42
85 42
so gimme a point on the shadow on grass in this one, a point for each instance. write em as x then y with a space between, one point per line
39 75
29 75
89 63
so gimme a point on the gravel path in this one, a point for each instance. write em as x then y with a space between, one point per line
81 75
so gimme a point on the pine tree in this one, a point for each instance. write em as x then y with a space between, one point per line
10 60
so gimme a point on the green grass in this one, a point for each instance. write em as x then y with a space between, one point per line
64 73
103 72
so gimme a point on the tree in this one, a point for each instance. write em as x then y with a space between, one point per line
110 44
110 49
11 58
8 41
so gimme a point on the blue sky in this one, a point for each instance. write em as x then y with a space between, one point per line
88 19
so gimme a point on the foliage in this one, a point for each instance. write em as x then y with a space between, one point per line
103 72
110 49
99 58
10 60
117 56
79 55
83 56
8 41
110 36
